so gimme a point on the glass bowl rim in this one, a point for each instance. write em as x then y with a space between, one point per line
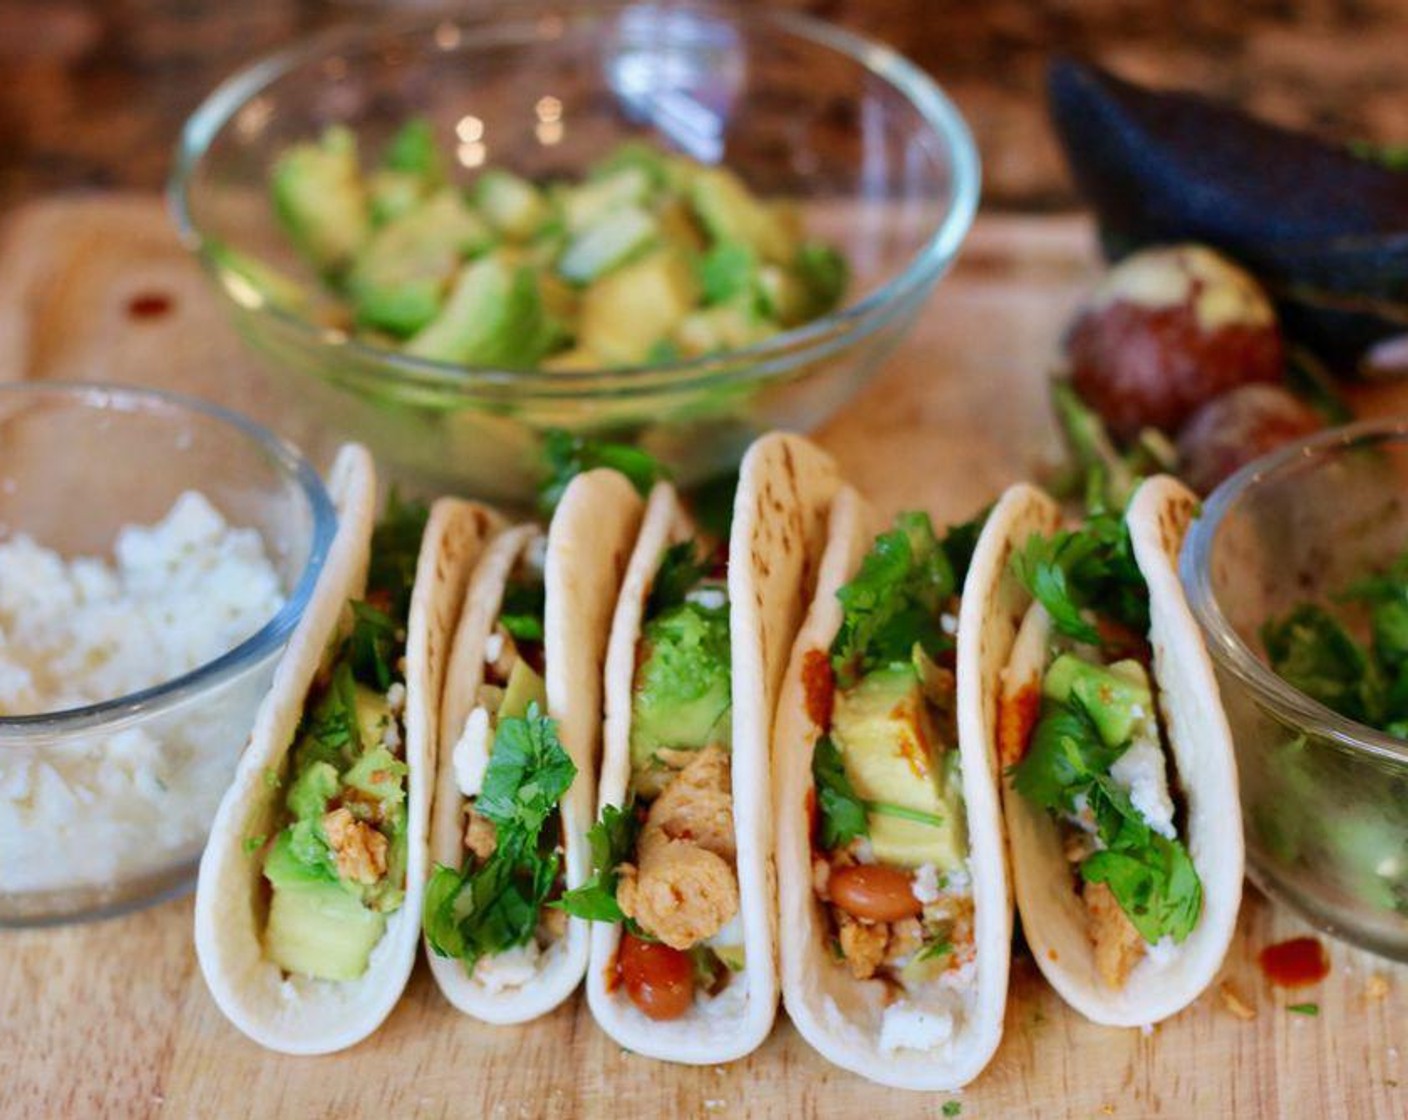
1225 644
761 359
289 463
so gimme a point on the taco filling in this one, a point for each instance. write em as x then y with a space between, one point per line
494 912
889 840
1082 738
336 868
666 865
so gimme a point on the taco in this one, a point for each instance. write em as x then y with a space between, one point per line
683 947
308 898
1120 788
892 884
516 778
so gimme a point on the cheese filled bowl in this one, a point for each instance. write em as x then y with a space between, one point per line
1297 570
639 161
155 555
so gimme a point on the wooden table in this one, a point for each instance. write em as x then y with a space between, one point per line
113 1018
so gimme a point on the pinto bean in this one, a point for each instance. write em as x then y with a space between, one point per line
877 894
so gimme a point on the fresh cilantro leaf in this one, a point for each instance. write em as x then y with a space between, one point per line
712 503
328 733
395 552
523 609
372 647
1311 651
726 271
1155 885
610 840
1065 757
567 455
824 271
681 567
527 775
960 542
1089 570
495 905
252 844
840 812
894 601
1303 1008
952 1108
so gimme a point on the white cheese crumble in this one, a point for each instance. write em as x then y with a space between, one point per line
1139 771
471 753
493 647
906 1026
710 598
95 808
925 884
511 968
948 623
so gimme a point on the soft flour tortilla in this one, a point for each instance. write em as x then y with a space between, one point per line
839 1015
1053 916
294 1014
588 543
779 527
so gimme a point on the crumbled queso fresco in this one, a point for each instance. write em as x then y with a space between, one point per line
77 632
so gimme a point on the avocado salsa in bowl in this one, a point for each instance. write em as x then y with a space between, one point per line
674 228
1296 572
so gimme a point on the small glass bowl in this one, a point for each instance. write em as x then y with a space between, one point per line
877 159
1324 799
106 807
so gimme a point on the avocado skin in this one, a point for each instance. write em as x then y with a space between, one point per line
1318 225
891 752
1116 698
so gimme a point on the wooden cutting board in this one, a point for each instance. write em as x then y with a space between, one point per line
113 1018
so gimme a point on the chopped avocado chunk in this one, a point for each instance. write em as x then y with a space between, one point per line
378 774
606 244
627 310
733 957
319 198
321 930
1117 698
514 206
683 687
525 687
399 281
892 756
311 791
730 212
493 317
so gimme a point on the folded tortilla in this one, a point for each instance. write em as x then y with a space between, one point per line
587 546
779 527
1053 914
836 1013
296 1014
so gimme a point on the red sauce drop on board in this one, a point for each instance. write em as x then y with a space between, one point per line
1296 963
148 305
819 686
1016 720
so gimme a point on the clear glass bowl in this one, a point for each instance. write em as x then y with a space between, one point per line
1324 799
107 806
877 158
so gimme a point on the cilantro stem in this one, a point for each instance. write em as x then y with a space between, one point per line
1304 1008
890 809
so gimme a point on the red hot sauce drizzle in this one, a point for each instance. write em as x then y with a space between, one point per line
1296 963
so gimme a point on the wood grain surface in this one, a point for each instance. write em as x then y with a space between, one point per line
112 1019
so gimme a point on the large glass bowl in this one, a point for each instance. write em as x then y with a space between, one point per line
877 158
107 806
1324 799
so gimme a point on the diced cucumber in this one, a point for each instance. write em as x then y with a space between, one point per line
612 240
320 199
